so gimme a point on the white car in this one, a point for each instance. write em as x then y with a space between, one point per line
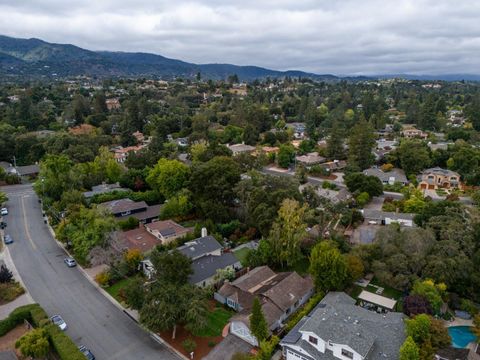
57 320
4 211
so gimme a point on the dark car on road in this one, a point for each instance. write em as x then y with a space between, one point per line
7 239
88 354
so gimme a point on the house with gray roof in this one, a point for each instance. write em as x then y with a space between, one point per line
207 258
388 177
338 329
103 189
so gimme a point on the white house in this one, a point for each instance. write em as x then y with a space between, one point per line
338 329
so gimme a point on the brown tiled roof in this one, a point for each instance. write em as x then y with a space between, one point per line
254 278
123 205
139 239
167 226
289 290
244 298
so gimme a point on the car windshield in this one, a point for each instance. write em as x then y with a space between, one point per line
57 319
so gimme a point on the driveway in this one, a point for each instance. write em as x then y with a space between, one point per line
92 319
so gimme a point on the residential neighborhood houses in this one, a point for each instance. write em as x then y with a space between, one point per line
253 220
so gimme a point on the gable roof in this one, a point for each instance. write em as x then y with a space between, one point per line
206 266
337 319
123 205
199 247
287 291
167 228
253 278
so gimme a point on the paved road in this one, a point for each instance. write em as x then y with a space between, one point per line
92 320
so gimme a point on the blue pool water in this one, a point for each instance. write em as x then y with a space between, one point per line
461 336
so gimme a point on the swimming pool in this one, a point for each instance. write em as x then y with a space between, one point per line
461 336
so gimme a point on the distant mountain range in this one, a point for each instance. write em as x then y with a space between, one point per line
35 58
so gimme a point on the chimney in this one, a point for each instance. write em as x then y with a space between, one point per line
204 232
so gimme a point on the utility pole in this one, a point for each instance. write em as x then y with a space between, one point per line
14 162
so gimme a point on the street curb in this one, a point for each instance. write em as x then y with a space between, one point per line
10 264
110 298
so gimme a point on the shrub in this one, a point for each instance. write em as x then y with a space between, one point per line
314 300
16 317
63 345
129 224
211 343
38 316
10 291
34 344
103 278
6 275
189 345
133 257
386 167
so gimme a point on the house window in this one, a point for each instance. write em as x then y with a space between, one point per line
347 354
313 340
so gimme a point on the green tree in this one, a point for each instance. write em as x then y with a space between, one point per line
172 267
135 293
3 197
359 183
414 156
418 328
328 267
212 187
34 343
430 291
409 350
258 324
287 233
286 155
267 348
178 206
361 142
168 177
168 305
335 143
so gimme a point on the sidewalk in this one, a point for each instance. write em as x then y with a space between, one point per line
24 299
133 314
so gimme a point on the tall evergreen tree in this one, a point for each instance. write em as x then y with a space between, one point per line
335 149
258 324
361 143
428 114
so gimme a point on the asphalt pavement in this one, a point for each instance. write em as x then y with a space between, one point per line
92 319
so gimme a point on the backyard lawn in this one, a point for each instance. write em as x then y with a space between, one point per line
115 289
241 254
217 319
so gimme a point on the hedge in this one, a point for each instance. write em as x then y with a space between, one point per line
63 345
16 317
305 310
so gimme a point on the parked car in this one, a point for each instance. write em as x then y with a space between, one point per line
85 351
70 262
7 239
57 320
4 211
3 225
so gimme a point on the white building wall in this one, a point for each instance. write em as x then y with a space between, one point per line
241 330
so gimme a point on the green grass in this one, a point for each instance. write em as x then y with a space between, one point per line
116 288
217 319
354 291
241 254
388 291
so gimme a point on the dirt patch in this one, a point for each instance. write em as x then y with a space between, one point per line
182 334
7 342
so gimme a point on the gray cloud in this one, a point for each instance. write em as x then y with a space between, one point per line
323 36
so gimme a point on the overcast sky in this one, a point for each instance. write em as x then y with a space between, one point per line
322 36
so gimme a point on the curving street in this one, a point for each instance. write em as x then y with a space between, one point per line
92 319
